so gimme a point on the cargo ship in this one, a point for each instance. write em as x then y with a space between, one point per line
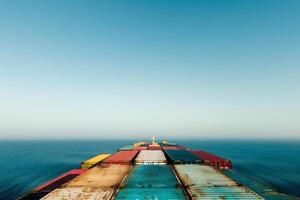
148 170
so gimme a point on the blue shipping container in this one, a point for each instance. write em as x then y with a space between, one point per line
182 157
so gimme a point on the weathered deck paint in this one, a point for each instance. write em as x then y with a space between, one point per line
151 182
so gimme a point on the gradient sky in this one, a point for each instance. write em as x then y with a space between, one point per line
126 69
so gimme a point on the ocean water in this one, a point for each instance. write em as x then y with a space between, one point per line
27 164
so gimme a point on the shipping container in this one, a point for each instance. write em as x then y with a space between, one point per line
151 157
154 148
182 157
213 160
205 182
151 182
44 189
99 182
173 147
151 194
122 157
140 148
80 193
169 148
222 193
137 144
166 143
126 148
202 175
103 175
93 161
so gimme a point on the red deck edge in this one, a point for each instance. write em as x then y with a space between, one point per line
175 147
213 160
73 171
155 148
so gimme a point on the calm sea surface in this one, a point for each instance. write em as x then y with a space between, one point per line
26 164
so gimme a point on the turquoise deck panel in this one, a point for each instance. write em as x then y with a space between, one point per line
151 194
151 182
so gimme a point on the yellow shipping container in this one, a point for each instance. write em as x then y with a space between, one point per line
137 144
93 161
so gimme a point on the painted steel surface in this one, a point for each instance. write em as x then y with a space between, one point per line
202 175
222 193
140 148
154 148
34 196
93 161
46 188
151 194
80 193
100 182
126 148
137 144
122 157
205 182
57 182
182 157
173 147
213 160
148 157
169 148
168 144
100 176
151 182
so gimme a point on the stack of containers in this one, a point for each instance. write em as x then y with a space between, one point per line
140 148
144 145
151 178
137 144
126 148
100 182
213 160
122 157
166 143
93 161
182 157
151 157
154 147
48 187
204 182
173 147
151 182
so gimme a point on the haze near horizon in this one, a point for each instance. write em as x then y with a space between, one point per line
126 69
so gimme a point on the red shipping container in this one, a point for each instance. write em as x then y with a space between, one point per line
213 160
173 147
170 148
140 148
180 147
57 182
154 148
122 157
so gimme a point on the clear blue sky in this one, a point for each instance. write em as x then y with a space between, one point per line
126 69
